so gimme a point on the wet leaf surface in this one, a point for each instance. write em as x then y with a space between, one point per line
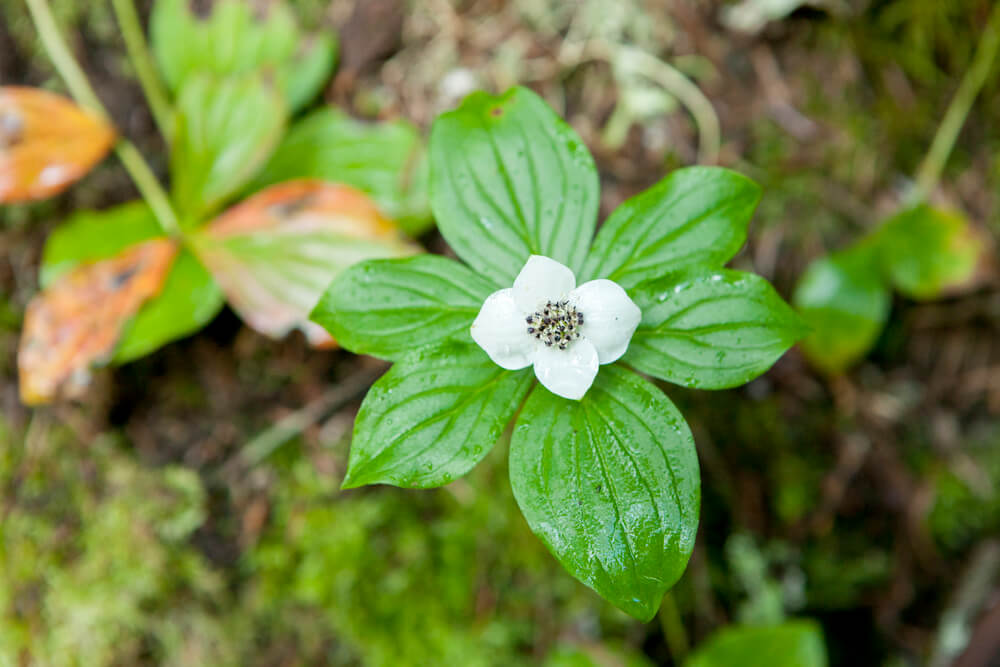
696 216
511 179
46 143
78 321
711 329
276 253
433 417
610 483
387 308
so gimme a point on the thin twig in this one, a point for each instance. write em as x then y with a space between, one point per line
971 593
264 444
690 95
82 92
633 60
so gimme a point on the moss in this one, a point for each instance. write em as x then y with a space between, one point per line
95 567
410 577
966 505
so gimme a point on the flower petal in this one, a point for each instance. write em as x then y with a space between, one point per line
542 279
567 373
501 331
609 317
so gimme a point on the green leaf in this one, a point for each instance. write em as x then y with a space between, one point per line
225 131
231 40
610 484
274 253
696 216
228 41
388 308
188 300
384 160
92 235
792 644
926 252
509 179
845 302
711 330
433 417
303 79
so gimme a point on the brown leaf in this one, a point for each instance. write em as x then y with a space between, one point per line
46 143
76 322
275 254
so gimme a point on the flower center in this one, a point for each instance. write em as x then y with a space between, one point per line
557 323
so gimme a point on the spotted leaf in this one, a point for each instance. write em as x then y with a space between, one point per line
275 253
46 143
77 322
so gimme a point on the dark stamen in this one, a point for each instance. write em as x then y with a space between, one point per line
556 323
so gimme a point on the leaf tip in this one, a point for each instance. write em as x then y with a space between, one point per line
798 326
644 612
351 481
360 472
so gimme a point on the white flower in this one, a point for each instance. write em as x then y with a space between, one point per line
564 330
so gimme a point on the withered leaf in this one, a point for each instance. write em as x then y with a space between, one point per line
76 322
46 143
275 253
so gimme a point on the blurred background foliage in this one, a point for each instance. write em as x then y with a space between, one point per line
135 532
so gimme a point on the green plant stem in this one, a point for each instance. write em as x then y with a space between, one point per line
975 77
673 628
82 92
149 187
138 53
63 60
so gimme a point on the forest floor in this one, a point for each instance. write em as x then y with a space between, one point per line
866 501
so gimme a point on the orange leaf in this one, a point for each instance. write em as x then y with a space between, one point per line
46 143
275 254
77 321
